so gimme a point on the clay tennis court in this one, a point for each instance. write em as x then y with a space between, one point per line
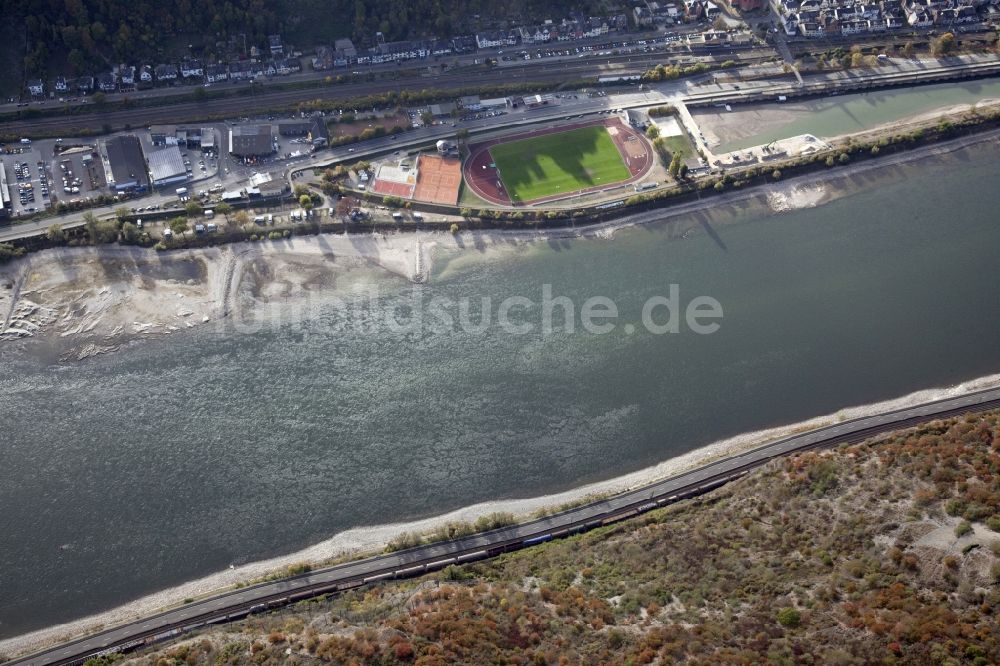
392 189
485 180
438 179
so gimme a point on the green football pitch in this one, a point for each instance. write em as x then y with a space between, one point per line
552 164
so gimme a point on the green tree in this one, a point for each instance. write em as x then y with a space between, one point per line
675 165
776 174
908 50
789 617
943 45
55 234
179 225
99 98
427 118
99 231
130 233
652 131
306 202
224 209
8 252
192 208
121 213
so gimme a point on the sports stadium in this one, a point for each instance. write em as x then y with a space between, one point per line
556 163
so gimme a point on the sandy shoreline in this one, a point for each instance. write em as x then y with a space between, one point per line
373 538
212 283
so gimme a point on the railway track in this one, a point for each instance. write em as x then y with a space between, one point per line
239 104
238 604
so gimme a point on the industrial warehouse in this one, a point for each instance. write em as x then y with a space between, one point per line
124 164
251 141
166 166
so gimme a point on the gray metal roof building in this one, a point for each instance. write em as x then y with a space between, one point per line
250 140
4 192
126 163
207 139
166 166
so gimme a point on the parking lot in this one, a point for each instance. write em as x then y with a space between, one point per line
77 173
28 178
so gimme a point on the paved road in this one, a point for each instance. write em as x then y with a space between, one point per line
417 137
416 561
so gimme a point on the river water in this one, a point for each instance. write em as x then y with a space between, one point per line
171 459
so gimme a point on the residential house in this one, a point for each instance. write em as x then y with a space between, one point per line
920 19
323 59
61 84
216 73
36 87
853 27
240 70
440 47
535 35
712 11
618 22
694 10
594 27
192 68
958 15
495 38
643 17
869 11
165 72
406 50
811 29
146 74
127 74
85 84
274 43
344 53
107 82
464 44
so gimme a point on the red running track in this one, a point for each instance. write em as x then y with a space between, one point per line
485 181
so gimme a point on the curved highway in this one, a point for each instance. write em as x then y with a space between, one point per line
416 561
